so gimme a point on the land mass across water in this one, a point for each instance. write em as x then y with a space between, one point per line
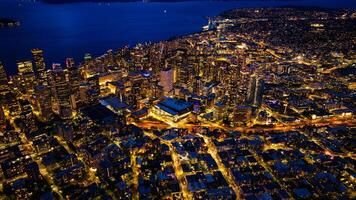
166 1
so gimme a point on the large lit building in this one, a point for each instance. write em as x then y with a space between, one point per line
4 87
74 81
2 118
110 57
172 109
40 65
11 105
255 91
70 62
166 81
25 67
62 94
43 103
27 75
26 116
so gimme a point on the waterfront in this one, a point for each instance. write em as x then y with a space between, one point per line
71 30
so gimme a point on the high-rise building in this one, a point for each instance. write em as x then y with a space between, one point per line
251 90
25 67
26 115
87 57
110 56
2 119
27 75
40 65
94 91
70 63
166 80
255 91
56 66
4 87
43 103
62 94
183 70
74 81
259 92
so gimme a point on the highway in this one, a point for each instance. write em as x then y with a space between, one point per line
287 126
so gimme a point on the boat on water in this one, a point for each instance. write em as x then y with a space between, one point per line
4 22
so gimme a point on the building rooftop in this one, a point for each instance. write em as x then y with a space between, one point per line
113 102
174 106
98 113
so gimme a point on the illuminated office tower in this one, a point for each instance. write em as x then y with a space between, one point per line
110 56
87 57
166 80
70 63
43 103
25 67
40 65
57 66
83 96
255 91
197 86
27 122
4 87
13 105
27 75
74 81
191 69
236 68
259 92
175 74
251 89
2 117
183 75
94 91
182 69
62 94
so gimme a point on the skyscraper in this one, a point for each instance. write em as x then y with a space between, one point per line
166 80
4 87
2 117
43 103
255 91
62 94
258 97
110 57
70 63
74 81
26 115
13 105
27 75
25 67
40 65
251 90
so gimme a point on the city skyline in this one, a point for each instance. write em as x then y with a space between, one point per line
114 26
259 104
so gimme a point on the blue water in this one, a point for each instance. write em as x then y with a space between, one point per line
71 30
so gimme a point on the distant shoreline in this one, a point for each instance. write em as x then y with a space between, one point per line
145 1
